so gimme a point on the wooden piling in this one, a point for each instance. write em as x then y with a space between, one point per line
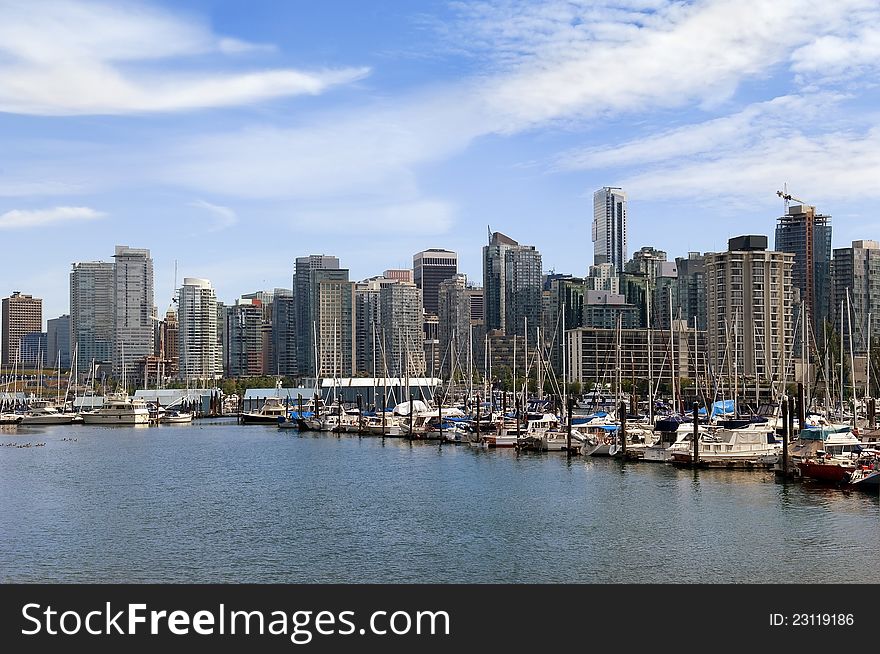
792 410
569 408
785 437
801 407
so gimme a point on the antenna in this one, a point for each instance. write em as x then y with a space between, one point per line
174 290
489 229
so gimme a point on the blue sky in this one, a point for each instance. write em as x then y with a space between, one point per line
232 137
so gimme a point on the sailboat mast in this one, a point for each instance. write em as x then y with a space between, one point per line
650 360
564 367
852 358
868 371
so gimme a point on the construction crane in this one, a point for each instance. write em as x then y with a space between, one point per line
788 197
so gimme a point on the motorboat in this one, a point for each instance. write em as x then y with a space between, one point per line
272 409
825 453
118 409
172 417
744 447
42 412
11 418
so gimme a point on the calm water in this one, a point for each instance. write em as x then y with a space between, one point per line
229 503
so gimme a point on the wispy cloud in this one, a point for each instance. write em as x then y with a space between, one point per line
224 217
23 219
77 57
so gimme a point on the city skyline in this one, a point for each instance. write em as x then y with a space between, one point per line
232 139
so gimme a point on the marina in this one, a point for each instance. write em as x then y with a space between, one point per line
222 502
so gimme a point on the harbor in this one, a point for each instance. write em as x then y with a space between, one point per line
217 501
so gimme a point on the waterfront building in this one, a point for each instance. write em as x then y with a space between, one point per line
134 312
58 341
856 270
34 351
200 358
690 290
807 235
243 339
332 315
400 313
21 315
302 298
610 227
568 294
283 334
749 309
430 268
593 353
368 326
454 324
512 286
92 314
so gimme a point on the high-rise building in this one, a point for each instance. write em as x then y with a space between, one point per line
368 326
660 278
691 288
566 307
243 339
92 314
454 324
400 310
302 297
283 335
807 235
609 227
856 274
331 305
168 346
512 286
430 267
603 277
197 331
265 299
33 350
22 315
399 274
749 309
58 341
133 311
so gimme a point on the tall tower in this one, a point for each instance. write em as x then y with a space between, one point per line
92 317
430 268
303 325
331 305
134 311
749 308
609 227
198 351
807 235
512 286
22 315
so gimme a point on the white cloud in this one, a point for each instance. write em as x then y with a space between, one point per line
23 219
77 57
224 217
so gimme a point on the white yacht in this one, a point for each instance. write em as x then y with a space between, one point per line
270 413
743 447
43 413
118 409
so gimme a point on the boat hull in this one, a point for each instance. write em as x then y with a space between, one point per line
830 472
59 419
120 419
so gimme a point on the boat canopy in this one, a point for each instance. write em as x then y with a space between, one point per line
821 433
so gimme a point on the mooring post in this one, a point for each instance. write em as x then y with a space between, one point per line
785 437
440 417
568 426
360 403
801 407
792 411
696 456
478 418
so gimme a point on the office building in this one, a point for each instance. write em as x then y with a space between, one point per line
430 268
21 315
512 286
92 313
609 227
58 341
